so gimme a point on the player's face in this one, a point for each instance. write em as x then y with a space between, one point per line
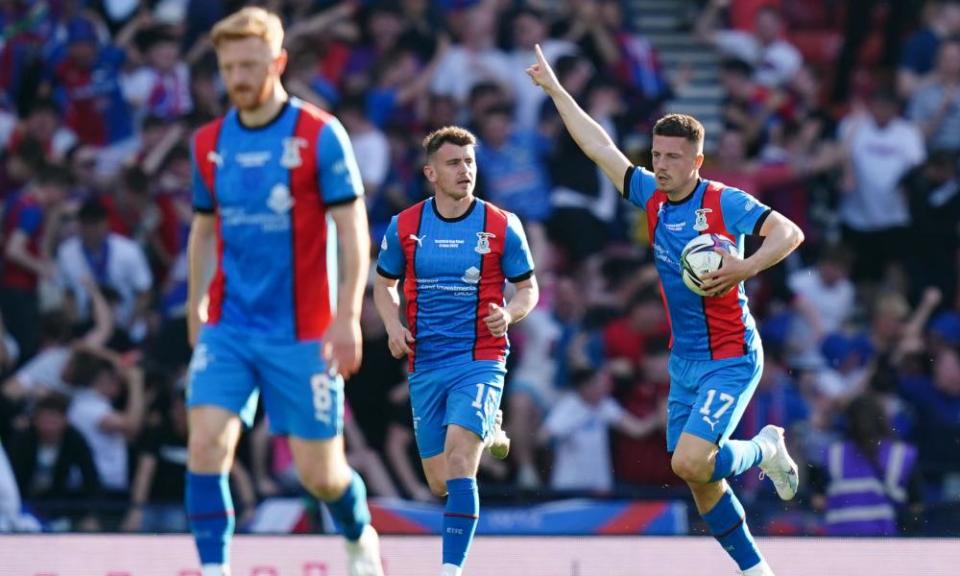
250 71
453 170
676 161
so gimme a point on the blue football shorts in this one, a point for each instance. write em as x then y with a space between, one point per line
708 397
467 395
231 369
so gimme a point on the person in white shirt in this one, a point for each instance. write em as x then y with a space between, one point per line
100 376
579 425
111 261
824 298
474 58
775 60
880 147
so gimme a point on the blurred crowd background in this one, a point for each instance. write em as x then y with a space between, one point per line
842 115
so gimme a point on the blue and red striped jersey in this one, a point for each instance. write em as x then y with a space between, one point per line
453 269
703 328
269 188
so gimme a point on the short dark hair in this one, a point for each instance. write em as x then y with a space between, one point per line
681 126
53 401
92 212
452 134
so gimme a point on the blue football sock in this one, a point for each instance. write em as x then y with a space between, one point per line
728 524
460 519
350 510
736 457
210 511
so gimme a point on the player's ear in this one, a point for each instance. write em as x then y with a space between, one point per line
281 62
699 160
429 172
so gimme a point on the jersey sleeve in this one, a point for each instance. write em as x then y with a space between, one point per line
639 185
390 262
336 165
742 213
202 198
517 261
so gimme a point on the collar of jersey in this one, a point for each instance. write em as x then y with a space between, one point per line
689 196
433 203
268 123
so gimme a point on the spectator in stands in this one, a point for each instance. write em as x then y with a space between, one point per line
43 373
936 107
880 147
474 57
529 27
933 192
512 164
641 460
578 427
53 463
101 379
865 480
113 262
161 87
42 124
30 224
774 59
823 298
919 55
85 79
369 144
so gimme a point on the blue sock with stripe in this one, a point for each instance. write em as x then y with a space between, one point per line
350 510
736 457
210 511
728 524
460 519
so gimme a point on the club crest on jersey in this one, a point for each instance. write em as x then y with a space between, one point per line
483 242
279 200
701 224
472 275
291 152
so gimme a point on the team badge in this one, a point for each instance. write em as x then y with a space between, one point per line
701 224
472 275
279 200
291 152
483 242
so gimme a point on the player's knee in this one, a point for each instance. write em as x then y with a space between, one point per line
460 465
207 452
437 487
324 484
690 469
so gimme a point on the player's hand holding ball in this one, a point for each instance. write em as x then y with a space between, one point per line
711 265
498 320
399 340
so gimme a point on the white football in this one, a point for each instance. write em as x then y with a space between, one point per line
699 258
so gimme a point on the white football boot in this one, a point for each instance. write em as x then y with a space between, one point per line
777 463
363 556
497 441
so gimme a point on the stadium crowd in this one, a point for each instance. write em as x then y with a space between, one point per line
861 328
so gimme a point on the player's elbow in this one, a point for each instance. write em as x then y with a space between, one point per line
796 236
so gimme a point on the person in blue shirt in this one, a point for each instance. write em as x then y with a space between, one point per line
276 188
455 254
716 355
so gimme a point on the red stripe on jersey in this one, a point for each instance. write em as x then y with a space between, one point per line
653 216
725 328
205 145
408 229
308 234
486 346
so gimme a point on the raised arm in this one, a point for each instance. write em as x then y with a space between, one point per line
589 136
